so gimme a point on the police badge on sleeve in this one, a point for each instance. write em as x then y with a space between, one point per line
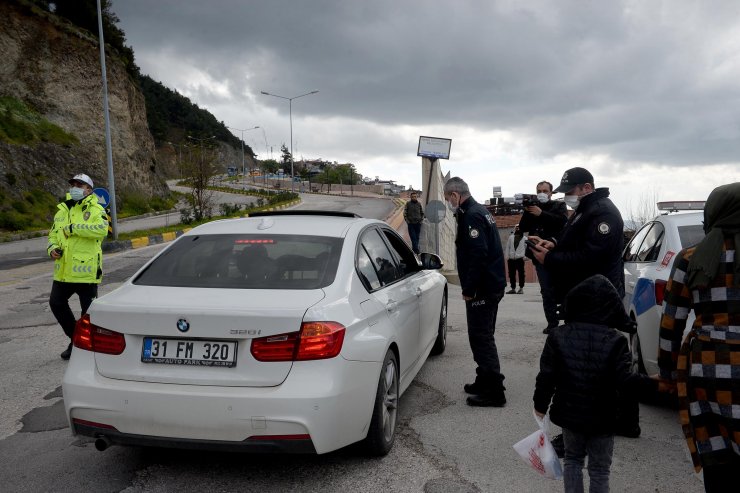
474 233
86 216
603 228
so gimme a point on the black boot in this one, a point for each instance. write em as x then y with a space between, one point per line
493 397
489 399
477 387
67 352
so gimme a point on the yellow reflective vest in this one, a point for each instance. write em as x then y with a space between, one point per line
78 230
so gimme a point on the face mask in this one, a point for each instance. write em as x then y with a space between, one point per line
572 201
452 208
542 197
77 193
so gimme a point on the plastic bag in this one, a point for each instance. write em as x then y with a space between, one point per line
537 451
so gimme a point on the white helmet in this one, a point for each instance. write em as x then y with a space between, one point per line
82 178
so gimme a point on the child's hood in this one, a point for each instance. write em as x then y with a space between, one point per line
595 300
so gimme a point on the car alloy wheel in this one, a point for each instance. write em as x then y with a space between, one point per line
382 430
637 364
441 343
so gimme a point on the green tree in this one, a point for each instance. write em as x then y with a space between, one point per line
285 157
198 170
270 165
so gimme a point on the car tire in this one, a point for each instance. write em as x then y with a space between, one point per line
441 343
382 432
637 364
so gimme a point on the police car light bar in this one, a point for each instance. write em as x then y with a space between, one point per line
682 205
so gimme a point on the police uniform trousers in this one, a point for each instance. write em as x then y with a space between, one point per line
481 317
61 292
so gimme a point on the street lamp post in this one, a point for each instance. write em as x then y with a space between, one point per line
244 169
179 156
290 110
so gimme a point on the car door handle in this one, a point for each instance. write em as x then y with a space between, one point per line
391 306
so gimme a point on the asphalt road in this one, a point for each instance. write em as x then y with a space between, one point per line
442 446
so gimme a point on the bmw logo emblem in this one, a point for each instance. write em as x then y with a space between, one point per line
183 325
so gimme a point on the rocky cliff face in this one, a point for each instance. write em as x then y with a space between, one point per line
54 68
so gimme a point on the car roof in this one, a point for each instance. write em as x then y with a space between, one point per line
681 218
301 223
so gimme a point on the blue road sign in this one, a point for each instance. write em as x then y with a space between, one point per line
103 196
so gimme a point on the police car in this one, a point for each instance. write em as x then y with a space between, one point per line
648 259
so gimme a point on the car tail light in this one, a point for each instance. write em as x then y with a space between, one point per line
275 348
90 337
660 285
315 340
320 340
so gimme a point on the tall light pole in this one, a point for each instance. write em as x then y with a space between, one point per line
108 148
290 109
244 169
179 156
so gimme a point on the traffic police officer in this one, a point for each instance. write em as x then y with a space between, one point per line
75 241
590 243
480 265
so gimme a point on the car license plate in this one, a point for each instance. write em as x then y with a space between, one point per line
191 352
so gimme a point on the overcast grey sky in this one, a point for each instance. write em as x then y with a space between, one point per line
644 94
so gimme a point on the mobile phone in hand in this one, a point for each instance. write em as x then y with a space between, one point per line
530 243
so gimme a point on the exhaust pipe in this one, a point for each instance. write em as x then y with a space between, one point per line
102 443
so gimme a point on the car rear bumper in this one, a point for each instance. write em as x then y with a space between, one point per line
328 401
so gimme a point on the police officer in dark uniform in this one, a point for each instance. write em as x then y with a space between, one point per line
590 243
544 220
480 265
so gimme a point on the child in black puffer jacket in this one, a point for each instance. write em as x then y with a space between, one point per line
583 367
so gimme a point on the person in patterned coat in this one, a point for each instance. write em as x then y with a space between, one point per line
705 364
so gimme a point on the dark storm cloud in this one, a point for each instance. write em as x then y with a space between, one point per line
638 81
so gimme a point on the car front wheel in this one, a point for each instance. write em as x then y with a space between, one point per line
382 430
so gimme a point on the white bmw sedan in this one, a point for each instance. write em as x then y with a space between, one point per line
289 332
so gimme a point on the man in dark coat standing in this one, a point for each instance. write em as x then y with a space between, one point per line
544 220
590 243
413 214
480 265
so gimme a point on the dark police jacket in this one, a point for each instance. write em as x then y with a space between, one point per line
591 243
480 256
587 362
547 224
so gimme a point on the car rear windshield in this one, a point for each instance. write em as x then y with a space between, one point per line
690 235
246 262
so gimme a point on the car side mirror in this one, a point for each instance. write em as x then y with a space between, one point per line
430 261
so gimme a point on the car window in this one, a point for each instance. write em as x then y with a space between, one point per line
650 247
630 251
407 260
380 256
367 272
690 235
246 262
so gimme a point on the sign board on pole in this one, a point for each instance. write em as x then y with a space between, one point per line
436 210
434 147
102 195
